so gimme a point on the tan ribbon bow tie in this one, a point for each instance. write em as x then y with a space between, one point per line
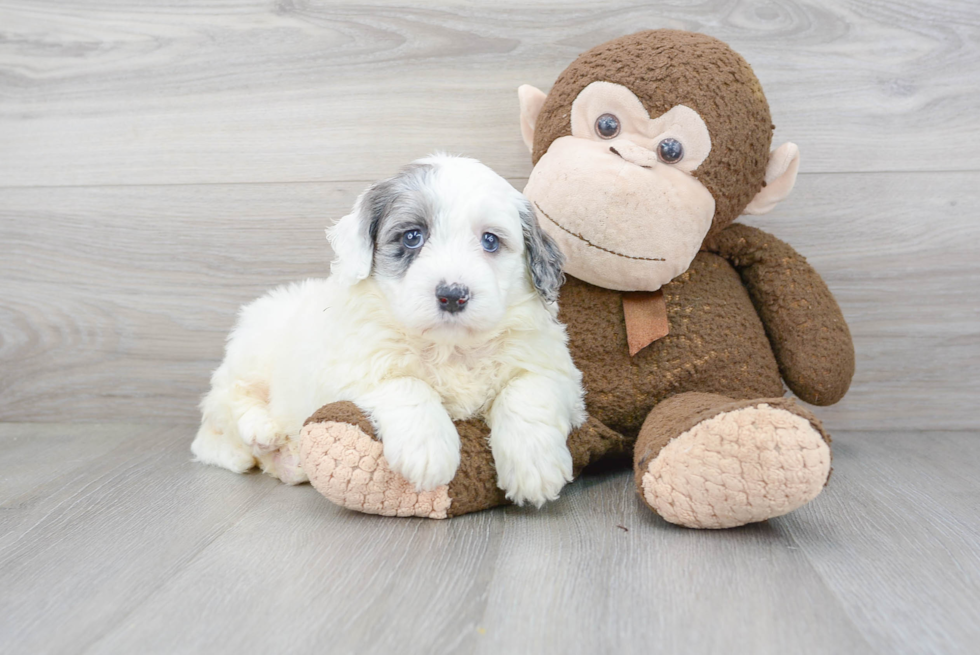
646 318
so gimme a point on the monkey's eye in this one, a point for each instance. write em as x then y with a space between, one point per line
670 151
413 239
607 126
490 242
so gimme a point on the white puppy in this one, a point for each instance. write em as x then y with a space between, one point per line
440 306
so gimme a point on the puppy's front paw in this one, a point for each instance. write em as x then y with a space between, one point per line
532 470
425 452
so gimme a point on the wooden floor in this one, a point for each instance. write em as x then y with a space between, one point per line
163 163
114 542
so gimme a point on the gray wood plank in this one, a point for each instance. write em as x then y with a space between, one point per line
566 579
97 541
110 92
897 538
300 575
141 551
116 300
63 447
573 576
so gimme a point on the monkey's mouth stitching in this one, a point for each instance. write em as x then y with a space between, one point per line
597 247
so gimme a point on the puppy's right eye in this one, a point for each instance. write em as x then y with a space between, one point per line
413 239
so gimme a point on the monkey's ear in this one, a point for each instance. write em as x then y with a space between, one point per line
351 241
784 164
532 99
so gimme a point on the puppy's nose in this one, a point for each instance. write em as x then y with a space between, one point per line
452 297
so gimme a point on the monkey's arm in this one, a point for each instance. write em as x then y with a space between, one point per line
804 324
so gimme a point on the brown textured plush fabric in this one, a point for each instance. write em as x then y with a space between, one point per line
594 442
475 486
716 344
809 336
665 68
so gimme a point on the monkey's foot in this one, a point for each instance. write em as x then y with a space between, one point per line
747 464
345 463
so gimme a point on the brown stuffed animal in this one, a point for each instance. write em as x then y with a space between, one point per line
683 324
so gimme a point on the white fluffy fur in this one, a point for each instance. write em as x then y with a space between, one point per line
383 344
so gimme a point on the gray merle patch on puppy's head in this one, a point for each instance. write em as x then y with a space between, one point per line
376 214
396 213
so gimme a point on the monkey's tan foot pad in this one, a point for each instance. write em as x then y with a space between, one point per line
346 465
741 466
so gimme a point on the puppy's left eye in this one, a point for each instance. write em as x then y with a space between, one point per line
413 239
490 242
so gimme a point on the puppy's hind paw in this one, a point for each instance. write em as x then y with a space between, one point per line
212 447
284 464
260 433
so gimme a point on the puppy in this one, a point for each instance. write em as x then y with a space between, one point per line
441 305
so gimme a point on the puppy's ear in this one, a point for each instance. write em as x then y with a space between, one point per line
544 259
352 240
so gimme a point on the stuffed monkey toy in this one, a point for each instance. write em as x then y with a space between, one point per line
683 323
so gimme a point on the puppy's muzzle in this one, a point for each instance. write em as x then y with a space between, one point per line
452 297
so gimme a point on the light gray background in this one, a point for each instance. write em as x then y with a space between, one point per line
162 163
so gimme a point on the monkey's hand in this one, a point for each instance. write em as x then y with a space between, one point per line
805 326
